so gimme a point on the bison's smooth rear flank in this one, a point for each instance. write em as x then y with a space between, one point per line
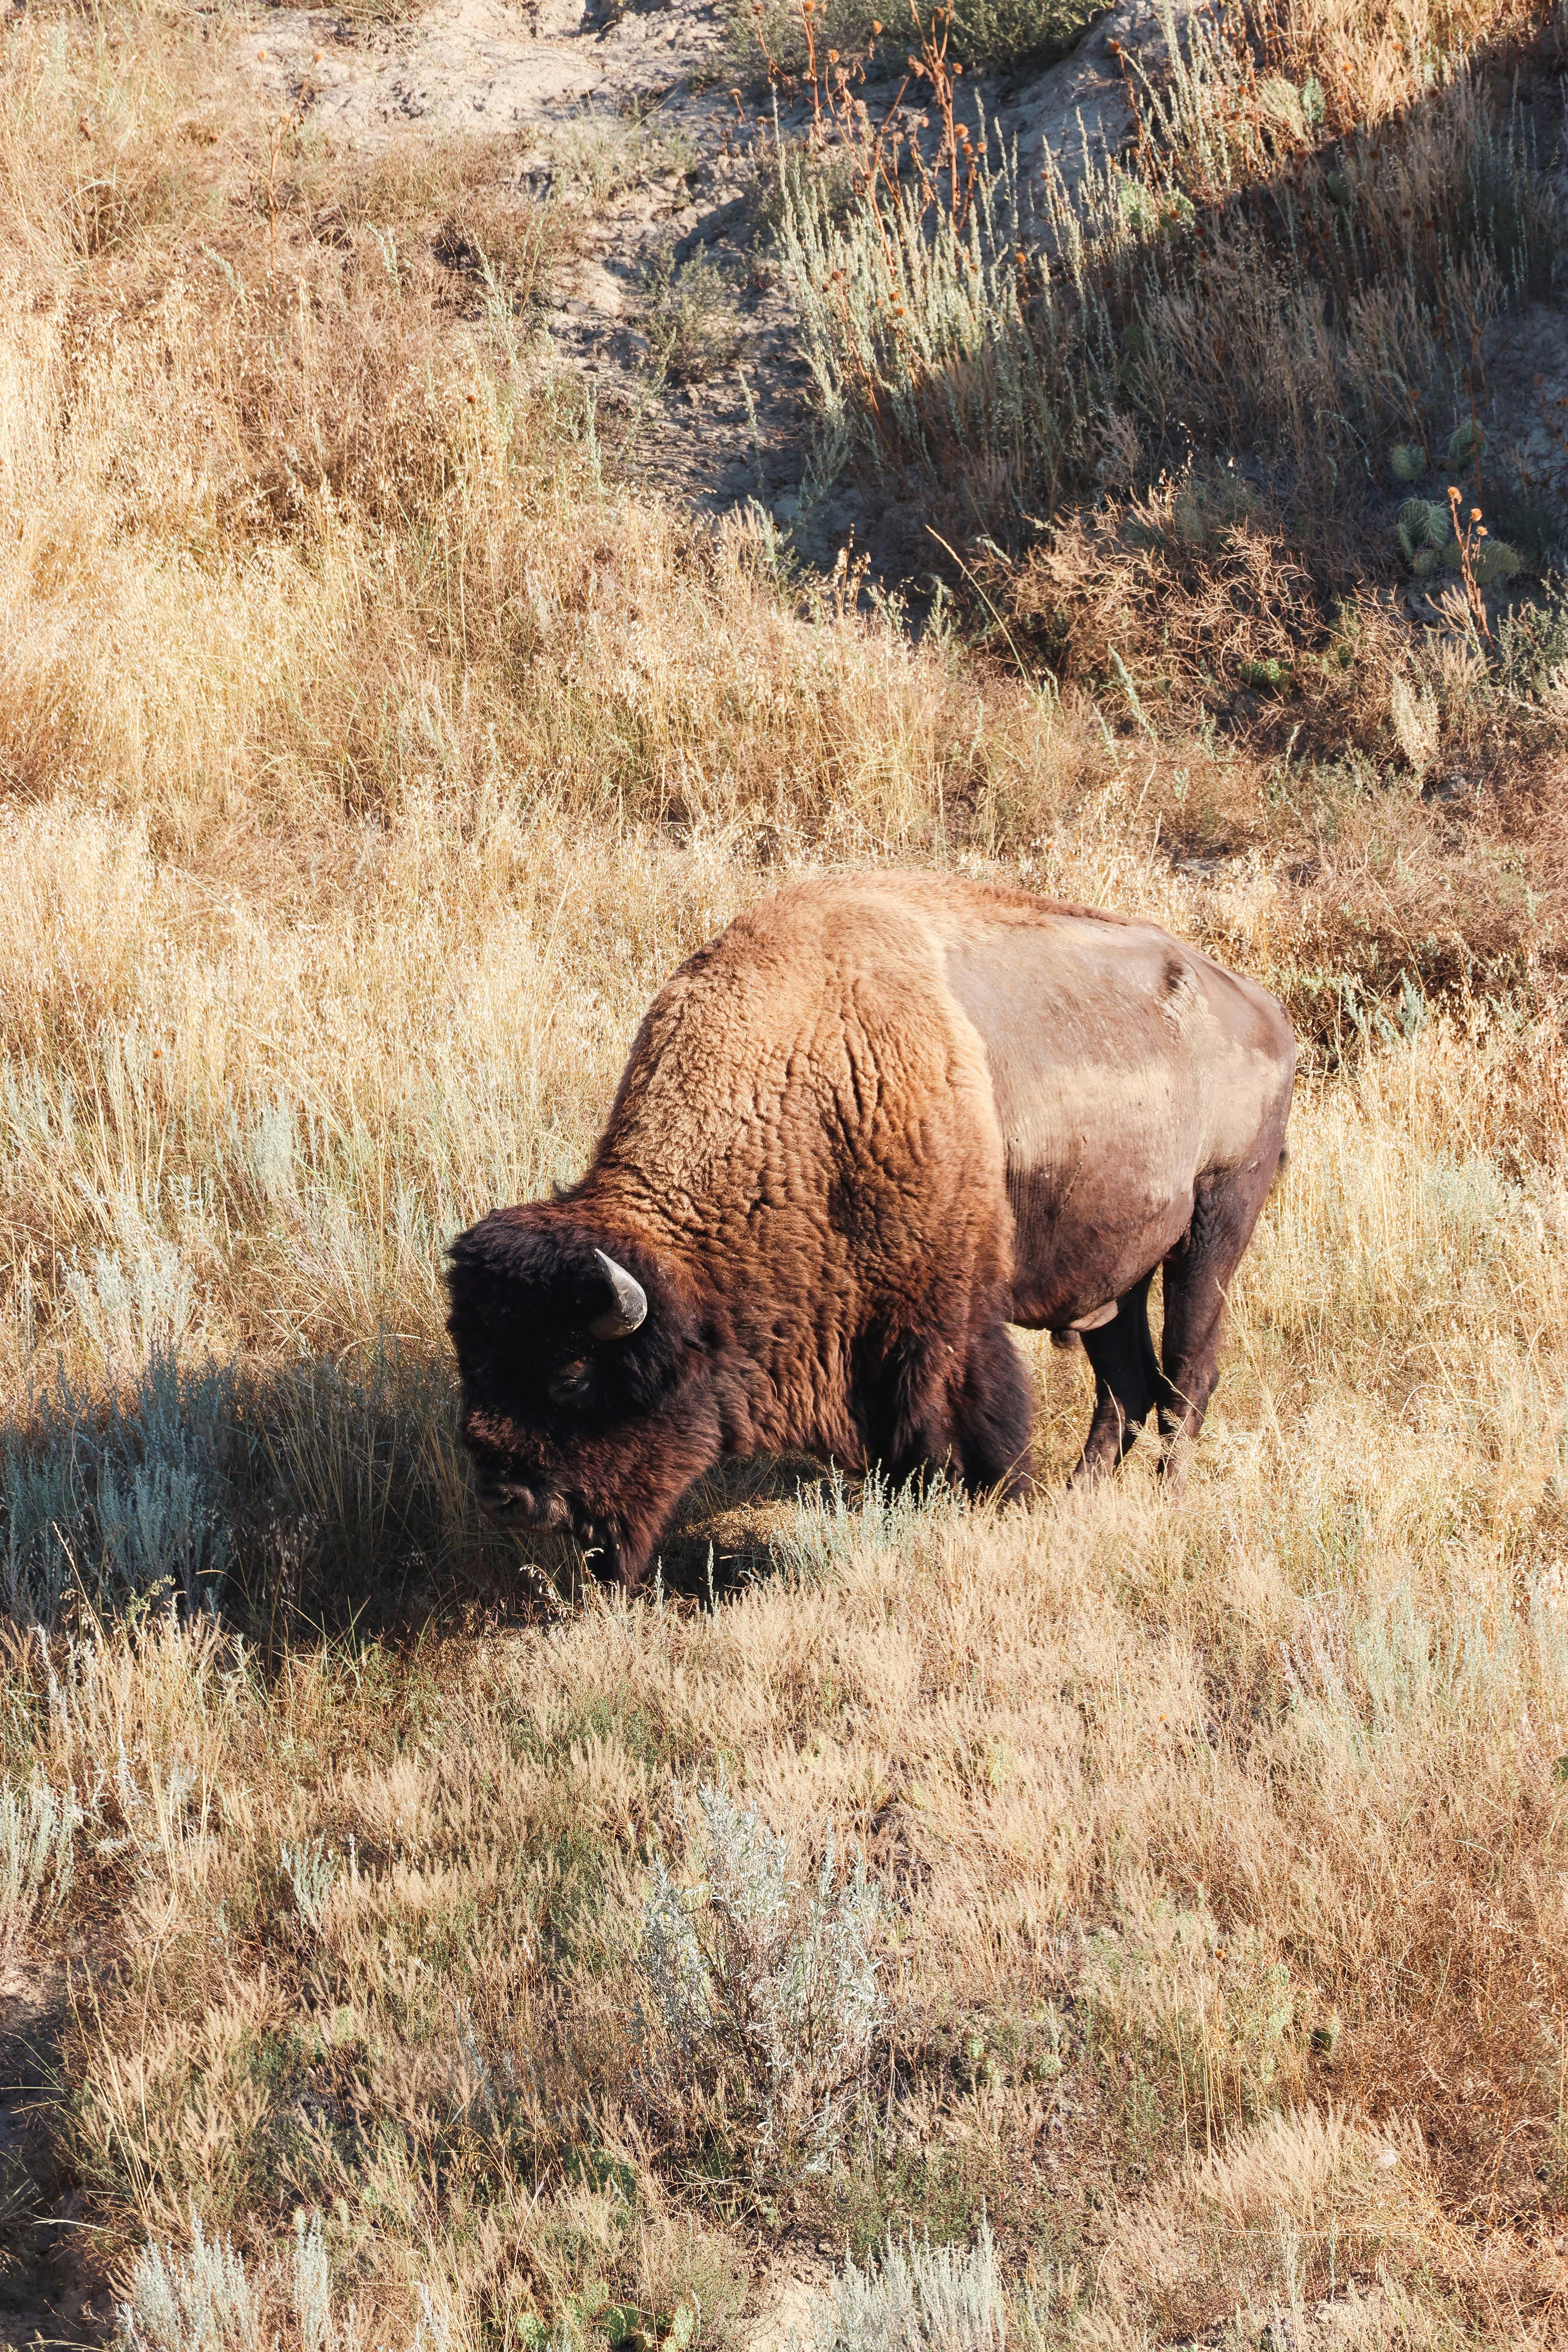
872 1124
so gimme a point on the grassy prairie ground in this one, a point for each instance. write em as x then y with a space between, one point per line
1158 1900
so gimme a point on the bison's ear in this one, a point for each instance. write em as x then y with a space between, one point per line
627 1304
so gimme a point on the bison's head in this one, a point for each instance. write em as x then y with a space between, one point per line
582 1398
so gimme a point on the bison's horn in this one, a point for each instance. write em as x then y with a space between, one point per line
631 1302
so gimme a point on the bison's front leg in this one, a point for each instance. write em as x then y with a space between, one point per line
963 1410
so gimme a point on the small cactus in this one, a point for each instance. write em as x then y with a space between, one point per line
1270 676
1465 442
1493 561
1407 460
1420 527
1424 562
1313 106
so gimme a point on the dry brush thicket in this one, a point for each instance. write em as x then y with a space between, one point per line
1105 1921
1295 266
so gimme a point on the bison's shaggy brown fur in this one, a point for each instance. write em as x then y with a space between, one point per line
859 1133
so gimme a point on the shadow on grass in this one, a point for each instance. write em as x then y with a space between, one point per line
47 2278
313 1500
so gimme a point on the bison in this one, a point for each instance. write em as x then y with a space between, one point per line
870 1125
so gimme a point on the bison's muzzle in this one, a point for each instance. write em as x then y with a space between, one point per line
521 1505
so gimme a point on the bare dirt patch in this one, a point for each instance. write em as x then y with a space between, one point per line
667 301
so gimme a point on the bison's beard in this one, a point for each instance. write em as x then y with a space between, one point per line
619 1539
615 1490
528 1508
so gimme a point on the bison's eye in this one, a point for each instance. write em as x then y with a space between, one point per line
572 1385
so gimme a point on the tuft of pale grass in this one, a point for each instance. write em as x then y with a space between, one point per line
37 1858
914 2294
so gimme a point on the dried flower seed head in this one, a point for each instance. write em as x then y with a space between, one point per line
875 24
833 56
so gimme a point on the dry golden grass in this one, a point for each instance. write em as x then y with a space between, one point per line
1373 61
369 760
1200 1817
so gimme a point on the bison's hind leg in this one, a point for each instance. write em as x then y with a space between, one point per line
1127 1383
1196 1279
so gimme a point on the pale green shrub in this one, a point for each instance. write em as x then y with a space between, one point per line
917 2295
312 1873
833 1522
38 1857
206 2303
694 324
1532 651
135 1304
123 1501
312 2284
766 1991
211 2301
914 326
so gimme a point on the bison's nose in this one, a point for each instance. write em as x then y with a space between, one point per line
522 1505
496 1500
